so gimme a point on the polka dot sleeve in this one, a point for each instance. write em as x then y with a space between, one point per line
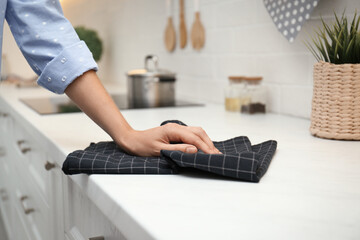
49 42
66 67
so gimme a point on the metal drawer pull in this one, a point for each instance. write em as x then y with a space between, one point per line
97 238
3 115
49 166
2 152
25 150
26 210
23 198
3 194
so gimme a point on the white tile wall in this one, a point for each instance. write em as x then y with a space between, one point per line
240 40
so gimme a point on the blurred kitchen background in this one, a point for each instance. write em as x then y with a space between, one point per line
241 39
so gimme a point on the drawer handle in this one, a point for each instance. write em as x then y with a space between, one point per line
2 152
3 194
26 210
49 166
25 150
5 198
97 238
4 114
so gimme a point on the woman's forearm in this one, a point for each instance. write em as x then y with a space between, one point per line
91 97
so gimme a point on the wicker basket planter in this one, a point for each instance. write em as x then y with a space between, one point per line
336 101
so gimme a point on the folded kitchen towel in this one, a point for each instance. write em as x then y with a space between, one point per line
239 160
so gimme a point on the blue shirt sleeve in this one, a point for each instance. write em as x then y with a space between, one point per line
49 42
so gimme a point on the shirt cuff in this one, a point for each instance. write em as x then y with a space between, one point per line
71 63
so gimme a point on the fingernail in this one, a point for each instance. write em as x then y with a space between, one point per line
217 151
191 149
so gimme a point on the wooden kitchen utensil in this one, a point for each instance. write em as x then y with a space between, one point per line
182 28
198 30
170 35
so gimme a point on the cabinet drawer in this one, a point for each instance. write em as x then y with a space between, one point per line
35 188
5 123
6 210
20 229
34 212
6 135
5 171
84 220
32 161
6 188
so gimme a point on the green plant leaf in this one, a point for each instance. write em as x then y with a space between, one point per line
92 40
312 50
357 48
322 49
338 42
337 20
327 45
349 51
338 45
357 24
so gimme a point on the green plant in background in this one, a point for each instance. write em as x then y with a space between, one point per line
92 40
338 43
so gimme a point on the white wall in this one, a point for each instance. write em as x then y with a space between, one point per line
240 40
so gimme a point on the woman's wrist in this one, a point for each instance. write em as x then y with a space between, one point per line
123 137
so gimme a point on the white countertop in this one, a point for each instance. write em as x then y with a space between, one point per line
310 191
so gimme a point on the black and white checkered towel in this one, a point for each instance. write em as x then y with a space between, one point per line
239 160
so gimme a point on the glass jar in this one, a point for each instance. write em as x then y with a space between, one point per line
233 94
246 95
256 96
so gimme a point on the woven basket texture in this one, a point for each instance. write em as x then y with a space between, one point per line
336 101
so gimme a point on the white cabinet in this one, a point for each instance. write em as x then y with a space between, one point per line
83 220
37 201
6 207
30 182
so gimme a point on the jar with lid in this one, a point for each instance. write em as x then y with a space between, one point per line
252 98
233 93
232 97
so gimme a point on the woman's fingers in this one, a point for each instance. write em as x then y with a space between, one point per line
186 148
187 135
203 135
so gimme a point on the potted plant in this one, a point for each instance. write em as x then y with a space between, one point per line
336 95
92 40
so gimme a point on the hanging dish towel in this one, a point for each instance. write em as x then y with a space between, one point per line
239 160
290 15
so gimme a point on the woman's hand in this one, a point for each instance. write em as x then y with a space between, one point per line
151 141
89 94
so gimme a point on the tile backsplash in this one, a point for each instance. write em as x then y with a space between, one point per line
241 39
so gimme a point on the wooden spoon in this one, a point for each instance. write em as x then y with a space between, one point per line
182 30
198 30
169 36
